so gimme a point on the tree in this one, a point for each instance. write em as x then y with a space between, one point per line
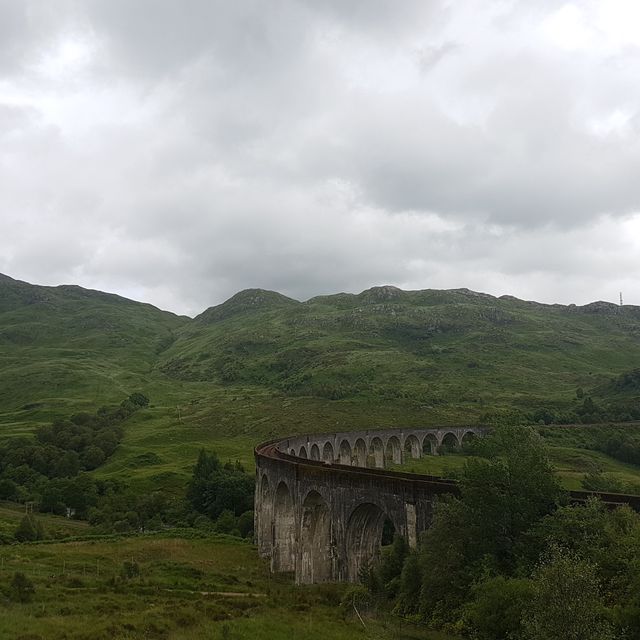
245 524
214 488
484 531
505 493
8 489
93 457
227 522
390 567
139 399
205 467
566 600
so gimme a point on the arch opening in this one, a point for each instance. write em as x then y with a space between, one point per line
303 453
360 453
315 541
344 455
315 452
327 452
412 447
450 443
429 445
392 452
284 530
367 528
467 439
376 453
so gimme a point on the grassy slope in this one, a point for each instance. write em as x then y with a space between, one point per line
180 594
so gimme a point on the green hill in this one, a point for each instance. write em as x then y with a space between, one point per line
71 347
427 349
261 365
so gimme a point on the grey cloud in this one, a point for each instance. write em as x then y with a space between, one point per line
314 147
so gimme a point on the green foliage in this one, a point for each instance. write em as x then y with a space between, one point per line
485 531
496 607
129 570
356 599
566 601
227 522
505 493
245 524
596 480
390 566
8 489
215 488
29 529
21 588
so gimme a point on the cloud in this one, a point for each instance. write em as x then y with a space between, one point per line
179 153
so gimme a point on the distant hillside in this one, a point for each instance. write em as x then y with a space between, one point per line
262 364
74 344
425 348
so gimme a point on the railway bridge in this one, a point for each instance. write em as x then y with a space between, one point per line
322 501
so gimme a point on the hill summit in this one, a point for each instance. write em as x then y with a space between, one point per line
246 301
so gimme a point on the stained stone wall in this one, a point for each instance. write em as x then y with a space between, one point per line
322 500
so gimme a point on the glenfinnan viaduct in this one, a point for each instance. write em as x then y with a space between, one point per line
321 501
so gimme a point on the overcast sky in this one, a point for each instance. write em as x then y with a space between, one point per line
178 151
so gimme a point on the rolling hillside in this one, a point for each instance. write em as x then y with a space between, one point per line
262 364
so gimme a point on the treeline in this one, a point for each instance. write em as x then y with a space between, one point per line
47 469
587 411
510 559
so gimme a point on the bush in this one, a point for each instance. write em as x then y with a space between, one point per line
29 529
129 570
355 598
497 607
21 588
245 524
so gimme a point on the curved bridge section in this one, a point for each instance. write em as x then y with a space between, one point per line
323 501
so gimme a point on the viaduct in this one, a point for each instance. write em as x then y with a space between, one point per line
322 501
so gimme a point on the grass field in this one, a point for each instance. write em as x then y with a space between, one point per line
188 588
568 456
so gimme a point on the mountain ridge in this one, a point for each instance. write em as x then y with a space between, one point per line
446 352
255 297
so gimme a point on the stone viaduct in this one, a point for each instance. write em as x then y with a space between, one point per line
322 500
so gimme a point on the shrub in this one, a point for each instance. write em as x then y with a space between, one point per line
21 588
355 599
28 530
130 569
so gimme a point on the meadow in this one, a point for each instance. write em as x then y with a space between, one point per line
178 586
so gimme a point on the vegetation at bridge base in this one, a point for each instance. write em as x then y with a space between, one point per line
512 559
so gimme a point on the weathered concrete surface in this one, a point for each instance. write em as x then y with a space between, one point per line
322 501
